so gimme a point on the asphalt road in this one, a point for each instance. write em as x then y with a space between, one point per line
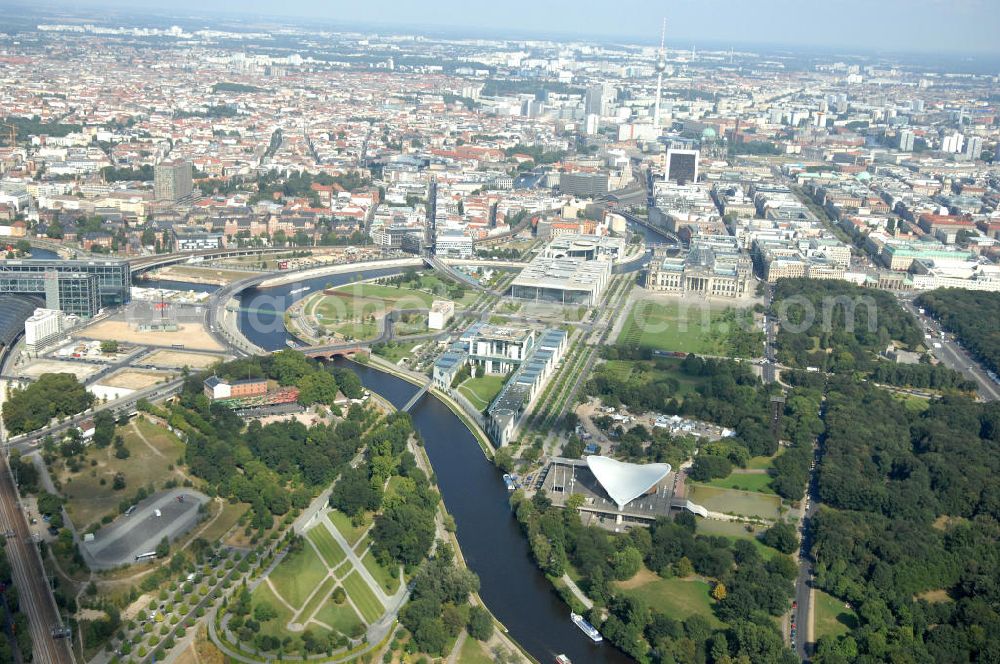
952 355
129 536
804 581
28 441
29 577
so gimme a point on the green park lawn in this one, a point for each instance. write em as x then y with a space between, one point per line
677 598
276 626
759 482
388 581
395 351
363 597
297 575
764 462
340 617
343 523
473 652
832 617
481 391
320 597
731 501
652 371
737 531
355 330
671 327
328 548
344 568
361 300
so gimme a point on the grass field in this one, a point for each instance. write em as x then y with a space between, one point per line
354 330
297 575
388 581
395 351
765 462
670 327
689 327
652 371
913 403
317 600
481 391
363 299
731 501
329 550
340 617
343 523
344 568
276 626
832 617
759 482
88 499
363 597
677 598
230 515
473 652
737 531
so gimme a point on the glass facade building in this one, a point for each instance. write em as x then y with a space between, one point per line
113 279
70 292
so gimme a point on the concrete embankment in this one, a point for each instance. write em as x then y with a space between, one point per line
342 268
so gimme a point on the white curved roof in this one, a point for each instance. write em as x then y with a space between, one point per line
625 482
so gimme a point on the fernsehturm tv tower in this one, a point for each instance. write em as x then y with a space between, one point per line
661 66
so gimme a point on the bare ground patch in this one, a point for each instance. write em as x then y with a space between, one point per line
135 379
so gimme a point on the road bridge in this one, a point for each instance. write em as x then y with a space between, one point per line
145 263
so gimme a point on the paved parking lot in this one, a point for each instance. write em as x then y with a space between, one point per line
129 536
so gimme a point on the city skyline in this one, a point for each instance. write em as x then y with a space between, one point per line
916 27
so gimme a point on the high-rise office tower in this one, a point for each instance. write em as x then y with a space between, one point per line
906 138
974 147
172 181
682 165
593 100
953 143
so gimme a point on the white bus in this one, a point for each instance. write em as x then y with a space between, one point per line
145 556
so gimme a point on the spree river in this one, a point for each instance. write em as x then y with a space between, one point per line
473 491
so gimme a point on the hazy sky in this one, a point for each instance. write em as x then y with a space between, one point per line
901 25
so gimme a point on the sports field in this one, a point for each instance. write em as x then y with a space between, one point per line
677 598
732 501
